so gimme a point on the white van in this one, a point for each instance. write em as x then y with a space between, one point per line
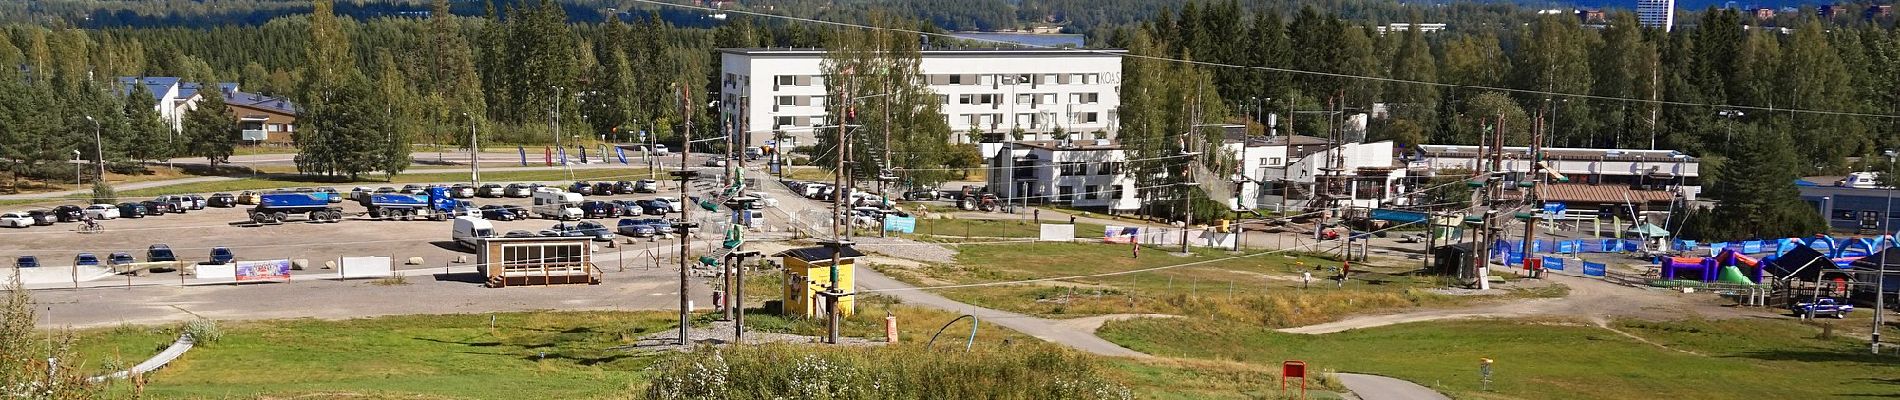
469 231
556 204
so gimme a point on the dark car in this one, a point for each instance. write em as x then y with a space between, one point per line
520 234
221 200
600 209
43 217
121 258
586 229
491 190
605 189
634 227
160 253
623 187
222 255
86 259
132 210
499 213
153 208
26 262
581 187
69 213
660 225
654 207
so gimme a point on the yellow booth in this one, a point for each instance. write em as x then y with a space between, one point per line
808 272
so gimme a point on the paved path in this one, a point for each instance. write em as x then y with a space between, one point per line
1374 387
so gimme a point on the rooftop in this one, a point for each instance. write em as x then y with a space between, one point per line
818 253
1075 145
1563 153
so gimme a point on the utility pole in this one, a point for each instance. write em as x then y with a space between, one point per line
833 291
474 154
1530 191
99 148
686 237
1880 280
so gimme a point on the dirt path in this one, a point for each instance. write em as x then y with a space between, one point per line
1588 299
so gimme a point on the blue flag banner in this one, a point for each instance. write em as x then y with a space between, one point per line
563 156
603 153
583 150
1593 269
524 155
622 153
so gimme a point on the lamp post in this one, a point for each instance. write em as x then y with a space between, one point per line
474 153
1730 115
99 148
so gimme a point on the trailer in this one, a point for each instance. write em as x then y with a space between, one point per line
435 204
557 205
277 207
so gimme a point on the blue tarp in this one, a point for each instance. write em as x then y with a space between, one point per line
1404 217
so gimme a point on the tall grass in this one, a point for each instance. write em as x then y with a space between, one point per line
897 372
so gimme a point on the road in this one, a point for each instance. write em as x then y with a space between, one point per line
1374 387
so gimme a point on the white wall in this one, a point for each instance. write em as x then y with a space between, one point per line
755 95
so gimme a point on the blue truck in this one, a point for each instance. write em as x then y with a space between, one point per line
435 203
1823 307
277 207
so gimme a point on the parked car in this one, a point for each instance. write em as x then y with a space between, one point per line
604 189
518 190
132 210
194 202
156 209
582 187
646 186
654 207
86 259
26 262
634 228
599 209
415 189
18 219
586 229
69 213
360 192
490 190
249 198
172 204
520 234
628 208
660 225
43 217
103 211
221 200
764 200
1822 307
222 255
715 161
335 196
121 258
462 191
623 187
160 253
500 213
385 190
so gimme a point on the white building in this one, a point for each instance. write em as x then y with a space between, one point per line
1597 177
1082 173
992 90
1657 13
1367 173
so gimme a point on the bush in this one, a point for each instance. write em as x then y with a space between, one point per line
204 331
102 193
899 372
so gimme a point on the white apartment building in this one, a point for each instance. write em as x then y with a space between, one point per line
994 91
1081 173
1656 13
1278 181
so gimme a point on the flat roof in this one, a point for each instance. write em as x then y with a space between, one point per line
1074 145
990 52
1569 153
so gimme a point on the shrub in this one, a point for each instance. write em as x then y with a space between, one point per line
204 331
898 372
102 193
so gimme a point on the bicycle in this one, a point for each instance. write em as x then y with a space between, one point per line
91 227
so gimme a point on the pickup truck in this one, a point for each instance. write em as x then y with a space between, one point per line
1823 307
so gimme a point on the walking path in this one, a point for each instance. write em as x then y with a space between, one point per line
1374 387
1046 329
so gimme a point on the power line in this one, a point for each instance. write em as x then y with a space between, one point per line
1286 70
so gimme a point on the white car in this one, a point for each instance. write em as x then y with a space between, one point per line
102 211
16 220
764 200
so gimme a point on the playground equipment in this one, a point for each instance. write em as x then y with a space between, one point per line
1729 266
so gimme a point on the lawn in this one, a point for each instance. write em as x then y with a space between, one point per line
526 355
1769 359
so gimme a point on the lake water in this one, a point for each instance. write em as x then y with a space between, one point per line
1031 39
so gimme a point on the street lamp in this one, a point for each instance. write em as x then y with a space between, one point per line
1730 115
98 147
1880 278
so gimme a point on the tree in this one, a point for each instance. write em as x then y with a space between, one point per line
210 128
1417 104
340 130
898 116
144 123
397 119
1753 193
1813 77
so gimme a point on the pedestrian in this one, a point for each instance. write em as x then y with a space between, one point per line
1134 247
1037 214
1071 220
1345 269
1306 279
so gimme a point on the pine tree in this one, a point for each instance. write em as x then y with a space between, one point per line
1754 196
210 127
156 141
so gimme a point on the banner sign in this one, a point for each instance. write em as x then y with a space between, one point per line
271 270
547 154
524 155
1593 269
1120 234
365 267
1056 233
900 224
1554 263
622 152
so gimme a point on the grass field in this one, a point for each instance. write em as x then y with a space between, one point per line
1765 359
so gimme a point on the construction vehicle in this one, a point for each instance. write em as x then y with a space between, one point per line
434 203
277 207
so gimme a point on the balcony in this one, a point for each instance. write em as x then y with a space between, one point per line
254 135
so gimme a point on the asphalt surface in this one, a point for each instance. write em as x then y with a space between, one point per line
1374 387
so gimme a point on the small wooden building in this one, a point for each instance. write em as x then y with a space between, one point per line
808 272
536 261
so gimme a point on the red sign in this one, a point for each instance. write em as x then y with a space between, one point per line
1293 369
1533 264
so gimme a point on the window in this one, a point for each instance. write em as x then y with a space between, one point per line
1089 118
275 127
1074 78
1073 169
818 80
818 120
1109 168
785 100
1085 98
1048 78
1025 98
966 99
987 80
1270 161
1844 215
782 121
943 98
1091 192
1116 193
730 80
1065 193
784 80
956 79
816 101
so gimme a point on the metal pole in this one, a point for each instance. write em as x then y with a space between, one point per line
1880 280
99 148
474 154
